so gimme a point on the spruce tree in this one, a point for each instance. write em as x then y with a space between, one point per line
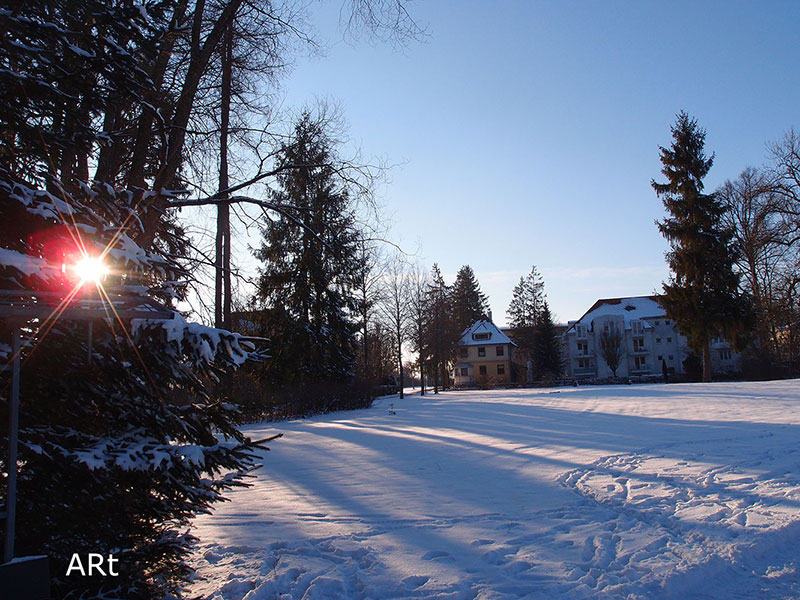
547 349
440 332
310 266
703 294
120 442
469 304
523 313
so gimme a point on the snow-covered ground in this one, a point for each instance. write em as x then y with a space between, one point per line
678 491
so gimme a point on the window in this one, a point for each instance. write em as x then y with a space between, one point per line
581 329
583 348
636 326
660 358
583 364
638 344
499 351
657 323
481 336
482 369
501 369
658 340
464 352
725 354
669 339
481 351
640 362
464 372
667 322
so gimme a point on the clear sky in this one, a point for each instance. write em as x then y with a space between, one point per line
527 132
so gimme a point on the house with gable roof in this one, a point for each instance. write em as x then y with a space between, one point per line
483 353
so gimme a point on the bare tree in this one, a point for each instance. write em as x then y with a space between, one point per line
417 287
755 215
395 308
611 348
785 177
369 293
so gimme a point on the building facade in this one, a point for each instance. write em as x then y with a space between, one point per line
648 340
483 355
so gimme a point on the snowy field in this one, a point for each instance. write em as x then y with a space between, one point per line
678 491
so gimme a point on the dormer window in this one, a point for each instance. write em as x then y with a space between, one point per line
481 336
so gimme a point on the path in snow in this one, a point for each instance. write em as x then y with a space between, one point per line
679 491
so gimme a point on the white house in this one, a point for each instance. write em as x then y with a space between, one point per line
648 338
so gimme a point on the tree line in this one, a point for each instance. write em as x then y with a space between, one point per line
343 315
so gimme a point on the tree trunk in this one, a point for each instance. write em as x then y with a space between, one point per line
144 129
222 262
421 377
435 375
200 56
400 362
706 363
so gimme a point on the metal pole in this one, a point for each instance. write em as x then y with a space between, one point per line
11 502
89 353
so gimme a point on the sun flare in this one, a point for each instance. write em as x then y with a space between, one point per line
91 269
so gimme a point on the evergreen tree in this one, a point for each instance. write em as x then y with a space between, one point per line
441 334
523 313
703 295
418 321
310 266
118 451
469 304
547 349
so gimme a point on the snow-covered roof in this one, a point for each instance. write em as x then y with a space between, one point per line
630 309
482 333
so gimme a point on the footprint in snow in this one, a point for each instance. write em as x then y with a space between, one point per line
415 581
436 554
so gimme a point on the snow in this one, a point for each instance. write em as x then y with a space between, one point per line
28 265
657 491
630 309
482 327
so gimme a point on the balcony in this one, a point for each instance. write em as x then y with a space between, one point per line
584 372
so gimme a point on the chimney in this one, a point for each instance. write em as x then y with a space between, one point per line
490 316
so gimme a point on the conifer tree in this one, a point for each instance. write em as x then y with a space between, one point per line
310 266
703 294
418 319
441 333
120 441
547 350
523 313
469 303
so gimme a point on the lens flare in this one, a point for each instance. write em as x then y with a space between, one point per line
90 269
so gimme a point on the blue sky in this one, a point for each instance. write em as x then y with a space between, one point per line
527 133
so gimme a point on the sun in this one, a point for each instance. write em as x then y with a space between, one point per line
91 269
